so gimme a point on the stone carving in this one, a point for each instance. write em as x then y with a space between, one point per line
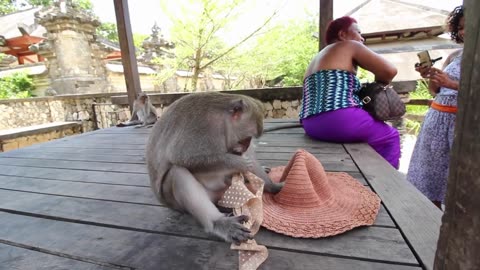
156 53
156 46
75 59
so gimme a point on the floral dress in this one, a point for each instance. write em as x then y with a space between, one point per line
428 170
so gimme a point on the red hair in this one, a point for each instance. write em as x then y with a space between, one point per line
335 26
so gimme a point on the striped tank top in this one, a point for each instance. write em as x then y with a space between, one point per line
328 90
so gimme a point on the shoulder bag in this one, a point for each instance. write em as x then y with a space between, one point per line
381 101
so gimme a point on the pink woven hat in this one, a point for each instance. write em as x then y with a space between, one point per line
314 203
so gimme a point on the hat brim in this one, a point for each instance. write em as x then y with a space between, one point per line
352 205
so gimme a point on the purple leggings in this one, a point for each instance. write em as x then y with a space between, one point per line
352 125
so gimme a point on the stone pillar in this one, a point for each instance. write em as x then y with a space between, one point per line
74 58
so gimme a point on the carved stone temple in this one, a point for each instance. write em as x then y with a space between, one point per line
75 60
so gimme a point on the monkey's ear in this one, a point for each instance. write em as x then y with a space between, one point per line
236 108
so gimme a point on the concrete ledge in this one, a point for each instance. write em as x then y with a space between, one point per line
36 129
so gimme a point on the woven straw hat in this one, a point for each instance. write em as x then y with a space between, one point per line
314 203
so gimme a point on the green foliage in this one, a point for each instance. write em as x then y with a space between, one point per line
7 6
285 49
17 85
138 40
421 92
197 32
365 75
412 126
168 66
84 4
108 31
40 2
292 48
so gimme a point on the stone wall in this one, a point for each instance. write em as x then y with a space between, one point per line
52 134
108 109
16 113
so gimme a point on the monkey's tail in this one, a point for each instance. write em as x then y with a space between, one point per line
285 126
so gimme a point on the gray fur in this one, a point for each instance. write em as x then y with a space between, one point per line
143 114
195 148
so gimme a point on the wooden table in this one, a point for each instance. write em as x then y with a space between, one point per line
84 202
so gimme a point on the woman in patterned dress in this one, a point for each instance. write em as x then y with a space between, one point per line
331 110
428 169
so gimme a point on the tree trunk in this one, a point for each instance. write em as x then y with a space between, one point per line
459 243
196 69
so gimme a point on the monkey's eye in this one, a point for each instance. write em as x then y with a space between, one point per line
237 109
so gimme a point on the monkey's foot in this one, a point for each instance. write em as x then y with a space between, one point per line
231 229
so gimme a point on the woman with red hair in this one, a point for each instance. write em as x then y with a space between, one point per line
331 109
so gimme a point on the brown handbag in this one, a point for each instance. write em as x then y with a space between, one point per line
381 101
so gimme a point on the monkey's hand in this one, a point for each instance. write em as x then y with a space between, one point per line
231 229
273 187
250 163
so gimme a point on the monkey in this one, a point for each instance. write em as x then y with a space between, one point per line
143 113
194 149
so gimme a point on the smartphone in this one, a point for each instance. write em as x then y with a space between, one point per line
425 60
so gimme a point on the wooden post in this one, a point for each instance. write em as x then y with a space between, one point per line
326 15
459 241
129 60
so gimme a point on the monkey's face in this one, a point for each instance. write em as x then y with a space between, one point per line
247 122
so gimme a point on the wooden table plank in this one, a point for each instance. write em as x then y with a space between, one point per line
130 159
153 251
78 165
29 199
13 257
338 149
84 150
418 219
103 177
131 194
100 156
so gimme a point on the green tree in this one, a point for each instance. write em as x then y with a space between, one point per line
7 6
137 42
197 31
17 85
36 3
108 31
82 4
284 51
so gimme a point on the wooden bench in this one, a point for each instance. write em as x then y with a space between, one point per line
24 136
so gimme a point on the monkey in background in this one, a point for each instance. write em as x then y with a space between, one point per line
195 148
143 113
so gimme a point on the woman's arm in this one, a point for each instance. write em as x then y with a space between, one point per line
383 70
438 78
